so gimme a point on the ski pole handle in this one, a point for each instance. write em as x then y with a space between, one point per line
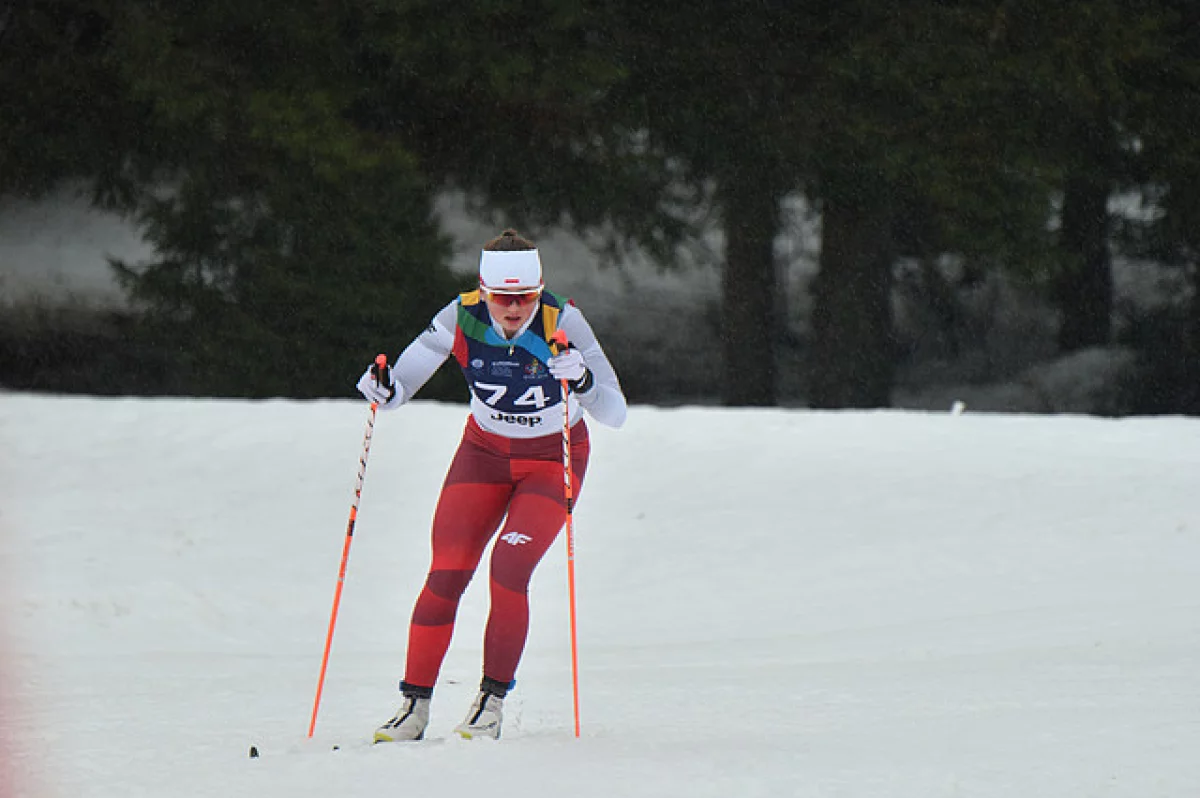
383 374
558 342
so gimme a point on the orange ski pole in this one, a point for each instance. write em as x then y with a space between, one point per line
381 375
560 343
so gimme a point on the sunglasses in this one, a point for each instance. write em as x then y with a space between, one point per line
505 298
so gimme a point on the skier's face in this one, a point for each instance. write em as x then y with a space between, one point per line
511 311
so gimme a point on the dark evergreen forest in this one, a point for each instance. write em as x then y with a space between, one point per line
284 160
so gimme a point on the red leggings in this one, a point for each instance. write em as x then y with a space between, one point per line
491 476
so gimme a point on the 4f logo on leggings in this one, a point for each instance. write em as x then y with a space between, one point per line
515 538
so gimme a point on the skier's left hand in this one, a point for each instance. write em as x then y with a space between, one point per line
568 365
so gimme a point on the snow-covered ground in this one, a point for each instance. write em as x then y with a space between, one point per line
772 603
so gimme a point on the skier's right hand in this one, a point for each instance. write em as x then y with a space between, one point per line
381 387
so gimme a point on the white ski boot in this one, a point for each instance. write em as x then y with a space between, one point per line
408 724
483 721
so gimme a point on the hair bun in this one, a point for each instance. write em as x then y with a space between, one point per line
509 241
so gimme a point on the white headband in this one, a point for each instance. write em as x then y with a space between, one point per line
510 271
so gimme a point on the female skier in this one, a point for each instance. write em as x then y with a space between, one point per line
508 467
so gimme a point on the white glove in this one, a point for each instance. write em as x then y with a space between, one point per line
568 366
387 394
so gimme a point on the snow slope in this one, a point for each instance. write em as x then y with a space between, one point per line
772 603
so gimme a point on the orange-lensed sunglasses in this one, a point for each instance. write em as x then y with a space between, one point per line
506 298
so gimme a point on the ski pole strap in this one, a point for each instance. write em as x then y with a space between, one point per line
584 383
